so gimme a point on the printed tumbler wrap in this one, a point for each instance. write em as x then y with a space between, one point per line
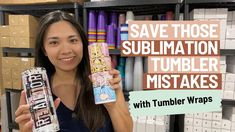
100 66
39 97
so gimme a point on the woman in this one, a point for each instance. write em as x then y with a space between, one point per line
62 48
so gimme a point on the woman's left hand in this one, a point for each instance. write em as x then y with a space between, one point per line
115 84
118 110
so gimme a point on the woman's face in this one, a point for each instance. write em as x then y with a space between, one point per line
63 46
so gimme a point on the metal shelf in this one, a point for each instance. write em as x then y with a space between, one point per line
193 4
11 124
139 7
118 3
208 1
38 10
227 52
227 102
18 50
39 7
114 52
31 50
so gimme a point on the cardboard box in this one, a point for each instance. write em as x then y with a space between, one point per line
229 24
198 115
206 129
224 130
189 115
233 24
5 42
13 42
215 130
233 17
197 14
197 122
230 33
13 20
188 129
216 116
5 31
197 129
141 125
210 13
150 126
216 124
6 62
230 16
32 61
7 83
15 62
226 124
26 42
223 27
207 116
222 44
223 77
230 44
228 94
233 126
230 77
223 68
17 84
16 73
25 63
188 121
207 123
222 13
222 59
233 117
6 72
27 31
28 20
229 86
14 30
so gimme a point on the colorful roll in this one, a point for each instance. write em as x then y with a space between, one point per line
98 50
92 27
39 98
101 28
100 63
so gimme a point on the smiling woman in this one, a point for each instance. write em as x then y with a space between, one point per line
62 48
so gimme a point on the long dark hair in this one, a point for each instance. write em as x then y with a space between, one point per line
85 109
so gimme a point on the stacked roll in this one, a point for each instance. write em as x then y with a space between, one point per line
100 62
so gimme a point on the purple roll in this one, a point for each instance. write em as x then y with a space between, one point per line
101 28
113 19
92 27
110 37
118 38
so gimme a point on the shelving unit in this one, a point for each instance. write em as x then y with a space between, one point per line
139 7
227 102
11 124
193 4
36 10
40 9
31 51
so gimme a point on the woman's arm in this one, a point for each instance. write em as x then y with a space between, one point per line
118 111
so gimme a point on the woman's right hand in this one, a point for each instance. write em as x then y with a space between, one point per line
23 116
